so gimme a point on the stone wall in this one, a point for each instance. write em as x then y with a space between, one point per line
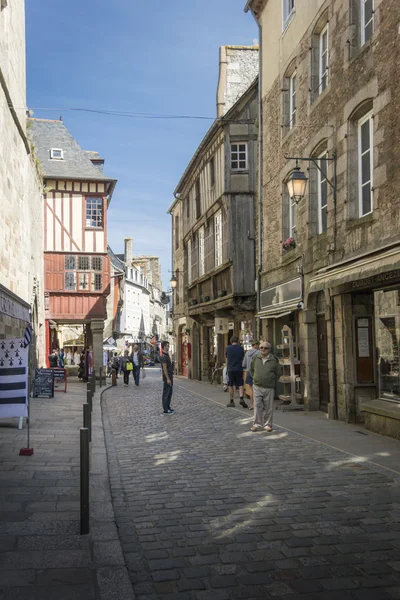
357 76
21 215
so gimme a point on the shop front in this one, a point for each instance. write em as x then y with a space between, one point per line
366 305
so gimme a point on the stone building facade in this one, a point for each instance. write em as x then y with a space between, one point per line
213 220
21 214
330 89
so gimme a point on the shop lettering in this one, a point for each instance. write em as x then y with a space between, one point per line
381 278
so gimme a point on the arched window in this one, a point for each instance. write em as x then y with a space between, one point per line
319 57
319 190
289 97
361 161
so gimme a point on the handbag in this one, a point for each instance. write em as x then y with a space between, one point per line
129 366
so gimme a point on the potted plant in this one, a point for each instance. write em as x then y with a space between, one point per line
222 293
206 298
289 244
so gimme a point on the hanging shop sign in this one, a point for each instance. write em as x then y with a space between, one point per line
12 305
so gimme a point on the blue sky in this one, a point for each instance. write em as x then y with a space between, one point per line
157 57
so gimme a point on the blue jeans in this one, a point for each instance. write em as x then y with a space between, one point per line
136 374
166 396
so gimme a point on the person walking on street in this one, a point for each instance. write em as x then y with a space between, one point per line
137 359
248 357
126 366
53 359
61 358
167 375
116 364
234 355
265 371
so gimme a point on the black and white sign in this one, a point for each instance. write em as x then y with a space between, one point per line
13 378
44 383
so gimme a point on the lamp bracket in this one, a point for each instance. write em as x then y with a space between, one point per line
315 160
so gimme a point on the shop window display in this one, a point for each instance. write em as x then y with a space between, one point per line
387 334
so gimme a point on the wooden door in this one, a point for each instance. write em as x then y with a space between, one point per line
323 374
184 356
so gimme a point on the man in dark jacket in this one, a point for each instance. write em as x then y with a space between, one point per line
265 371
234 357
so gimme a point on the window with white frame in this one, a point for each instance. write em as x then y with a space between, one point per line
292 101
322 193
287 12
239 156
97 283
365 165
323 59
56 154
189 261
218 238
201 252
94 212
367 20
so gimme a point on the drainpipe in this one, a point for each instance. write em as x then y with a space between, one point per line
259 186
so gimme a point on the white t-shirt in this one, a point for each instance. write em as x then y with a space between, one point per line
136 358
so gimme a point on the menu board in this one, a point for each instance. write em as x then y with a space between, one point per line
60 377
44 383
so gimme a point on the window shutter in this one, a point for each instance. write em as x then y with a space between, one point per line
285 103
224 236
285 215
195 258
314 84
209 247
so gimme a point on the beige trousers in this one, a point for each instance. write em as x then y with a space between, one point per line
263 406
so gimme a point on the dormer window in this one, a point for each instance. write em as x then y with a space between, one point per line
56 154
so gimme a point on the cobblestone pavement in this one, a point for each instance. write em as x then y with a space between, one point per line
208 510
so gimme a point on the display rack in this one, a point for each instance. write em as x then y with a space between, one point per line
291 381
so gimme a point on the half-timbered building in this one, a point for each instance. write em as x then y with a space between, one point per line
213 224
77 194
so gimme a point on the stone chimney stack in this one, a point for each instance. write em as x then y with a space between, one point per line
128 253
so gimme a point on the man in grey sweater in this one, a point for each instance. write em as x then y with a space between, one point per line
265 371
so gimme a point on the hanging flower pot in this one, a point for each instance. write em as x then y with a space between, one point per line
289 244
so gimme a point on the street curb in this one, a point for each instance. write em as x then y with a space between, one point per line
113 582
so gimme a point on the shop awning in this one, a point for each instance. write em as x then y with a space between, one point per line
372 271
278 312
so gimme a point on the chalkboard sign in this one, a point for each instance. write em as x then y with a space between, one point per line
60 376
44 383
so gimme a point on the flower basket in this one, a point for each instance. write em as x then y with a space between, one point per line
289 244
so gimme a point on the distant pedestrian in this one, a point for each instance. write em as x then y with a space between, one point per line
116 364
168 379
248 357
53 359
265 371
138 363
234 355
61 358
126 366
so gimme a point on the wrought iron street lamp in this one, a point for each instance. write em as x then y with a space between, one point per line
297 182
174 281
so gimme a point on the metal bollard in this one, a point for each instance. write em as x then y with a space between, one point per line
89 396
94 381
84 448
87 420
100 376
113 377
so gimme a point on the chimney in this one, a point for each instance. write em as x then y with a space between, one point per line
128 254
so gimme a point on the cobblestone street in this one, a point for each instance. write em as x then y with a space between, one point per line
208 510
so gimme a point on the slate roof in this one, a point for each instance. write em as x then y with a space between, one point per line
76 164
115 260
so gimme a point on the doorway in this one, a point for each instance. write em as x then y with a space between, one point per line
184 355
322 337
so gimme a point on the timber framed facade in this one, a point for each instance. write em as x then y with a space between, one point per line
213 220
